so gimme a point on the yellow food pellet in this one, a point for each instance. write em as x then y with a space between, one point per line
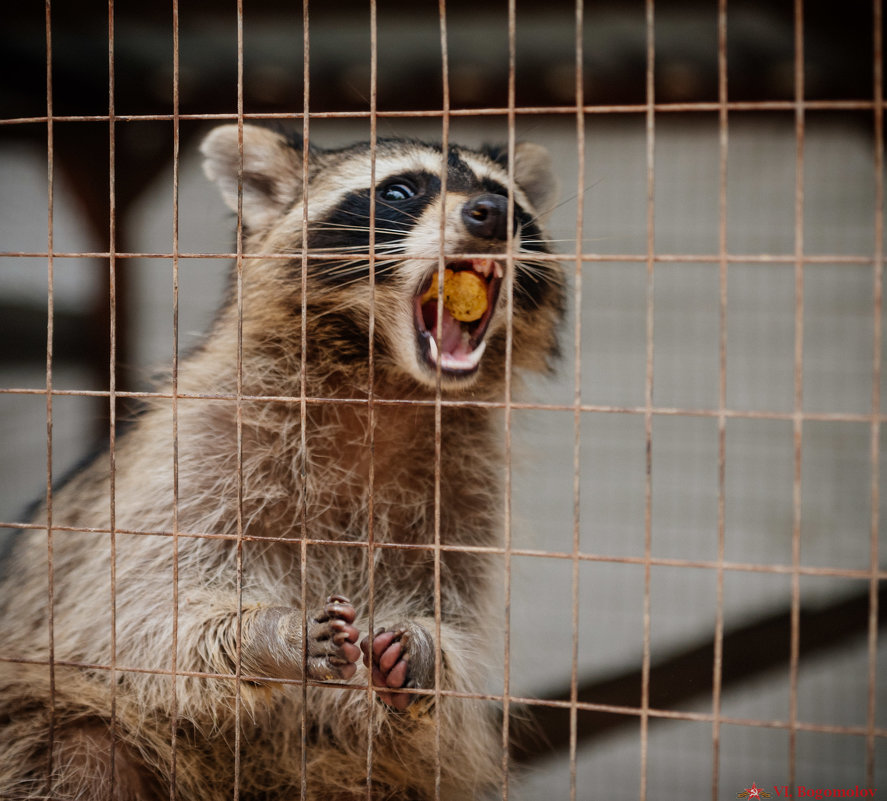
465 295
431 292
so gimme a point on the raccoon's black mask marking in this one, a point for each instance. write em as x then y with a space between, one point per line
346 228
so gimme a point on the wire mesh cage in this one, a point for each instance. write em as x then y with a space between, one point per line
689 569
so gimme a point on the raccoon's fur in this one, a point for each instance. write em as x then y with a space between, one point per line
189 674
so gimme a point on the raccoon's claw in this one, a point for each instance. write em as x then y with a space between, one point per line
400 657
332 653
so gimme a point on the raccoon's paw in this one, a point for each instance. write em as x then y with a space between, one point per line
401 656
332 653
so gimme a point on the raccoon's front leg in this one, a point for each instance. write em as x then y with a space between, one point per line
400 656
274 642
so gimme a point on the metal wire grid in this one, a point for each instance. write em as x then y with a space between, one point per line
648 411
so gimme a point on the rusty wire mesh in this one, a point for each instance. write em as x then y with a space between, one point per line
577 259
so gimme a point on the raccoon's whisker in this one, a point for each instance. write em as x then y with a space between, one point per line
563 202
398 211
344 247
357 259
350 253
569 240
539 272
325 294
401 213
327 227
525 242
358 269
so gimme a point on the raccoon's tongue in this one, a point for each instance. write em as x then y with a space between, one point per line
456 352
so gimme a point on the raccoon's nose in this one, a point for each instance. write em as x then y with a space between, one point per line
485 216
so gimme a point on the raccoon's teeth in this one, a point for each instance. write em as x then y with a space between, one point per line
483 266
488 267
452 361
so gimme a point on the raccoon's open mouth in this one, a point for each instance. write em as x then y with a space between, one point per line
456 341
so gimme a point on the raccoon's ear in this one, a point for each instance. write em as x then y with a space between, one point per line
533 172
272 171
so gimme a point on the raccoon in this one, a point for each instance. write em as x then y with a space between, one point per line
328 460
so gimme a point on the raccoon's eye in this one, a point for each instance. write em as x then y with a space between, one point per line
396 191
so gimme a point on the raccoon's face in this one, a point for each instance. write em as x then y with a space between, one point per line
407 229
